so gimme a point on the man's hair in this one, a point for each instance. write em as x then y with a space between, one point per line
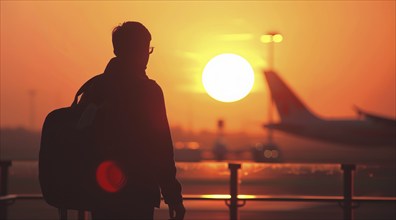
130 38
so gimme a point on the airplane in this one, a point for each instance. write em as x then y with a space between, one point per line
297 119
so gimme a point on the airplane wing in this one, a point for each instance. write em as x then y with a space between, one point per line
376 118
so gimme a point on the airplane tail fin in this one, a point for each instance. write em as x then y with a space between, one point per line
290 108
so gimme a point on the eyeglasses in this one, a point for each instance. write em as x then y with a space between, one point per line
151 50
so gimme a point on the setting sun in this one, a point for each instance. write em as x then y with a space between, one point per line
228 77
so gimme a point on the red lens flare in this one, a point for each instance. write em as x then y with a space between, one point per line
110 176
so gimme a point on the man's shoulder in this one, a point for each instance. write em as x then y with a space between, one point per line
152 84
105 83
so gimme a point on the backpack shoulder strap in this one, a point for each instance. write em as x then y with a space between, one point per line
84 87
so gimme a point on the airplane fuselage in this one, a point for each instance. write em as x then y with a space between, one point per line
350 132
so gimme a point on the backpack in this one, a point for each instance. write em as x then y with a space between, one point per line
67 160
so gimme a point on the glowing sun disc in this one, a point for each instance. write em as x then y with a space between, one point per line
228 77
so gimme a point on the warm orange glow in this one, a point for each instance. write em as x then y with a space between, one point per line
191 145
228 78
266 38
277 38
226 196
267 154
216 196
246 196
110 177
342 50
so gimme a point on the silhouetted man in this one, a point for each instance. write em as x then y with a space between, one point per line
132 133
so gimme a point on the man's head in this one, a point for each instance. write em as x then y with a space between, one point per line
131 40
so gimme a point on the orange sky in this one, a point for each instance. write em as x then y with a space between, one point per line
334 55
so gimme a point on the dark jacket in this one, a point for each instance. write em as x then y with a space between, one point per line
131 127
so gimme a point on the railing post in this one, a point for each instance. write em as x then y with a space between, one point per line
348 190
234 190
62 213
4 177
82 215
4 165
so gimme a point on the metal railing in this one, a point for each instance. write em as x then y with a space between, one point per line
347 202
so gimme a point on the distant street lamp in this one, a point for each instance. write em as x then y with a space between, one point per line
271 38
270 150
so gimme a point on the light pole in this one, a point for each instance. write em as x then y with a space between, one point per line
271 38
271 151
